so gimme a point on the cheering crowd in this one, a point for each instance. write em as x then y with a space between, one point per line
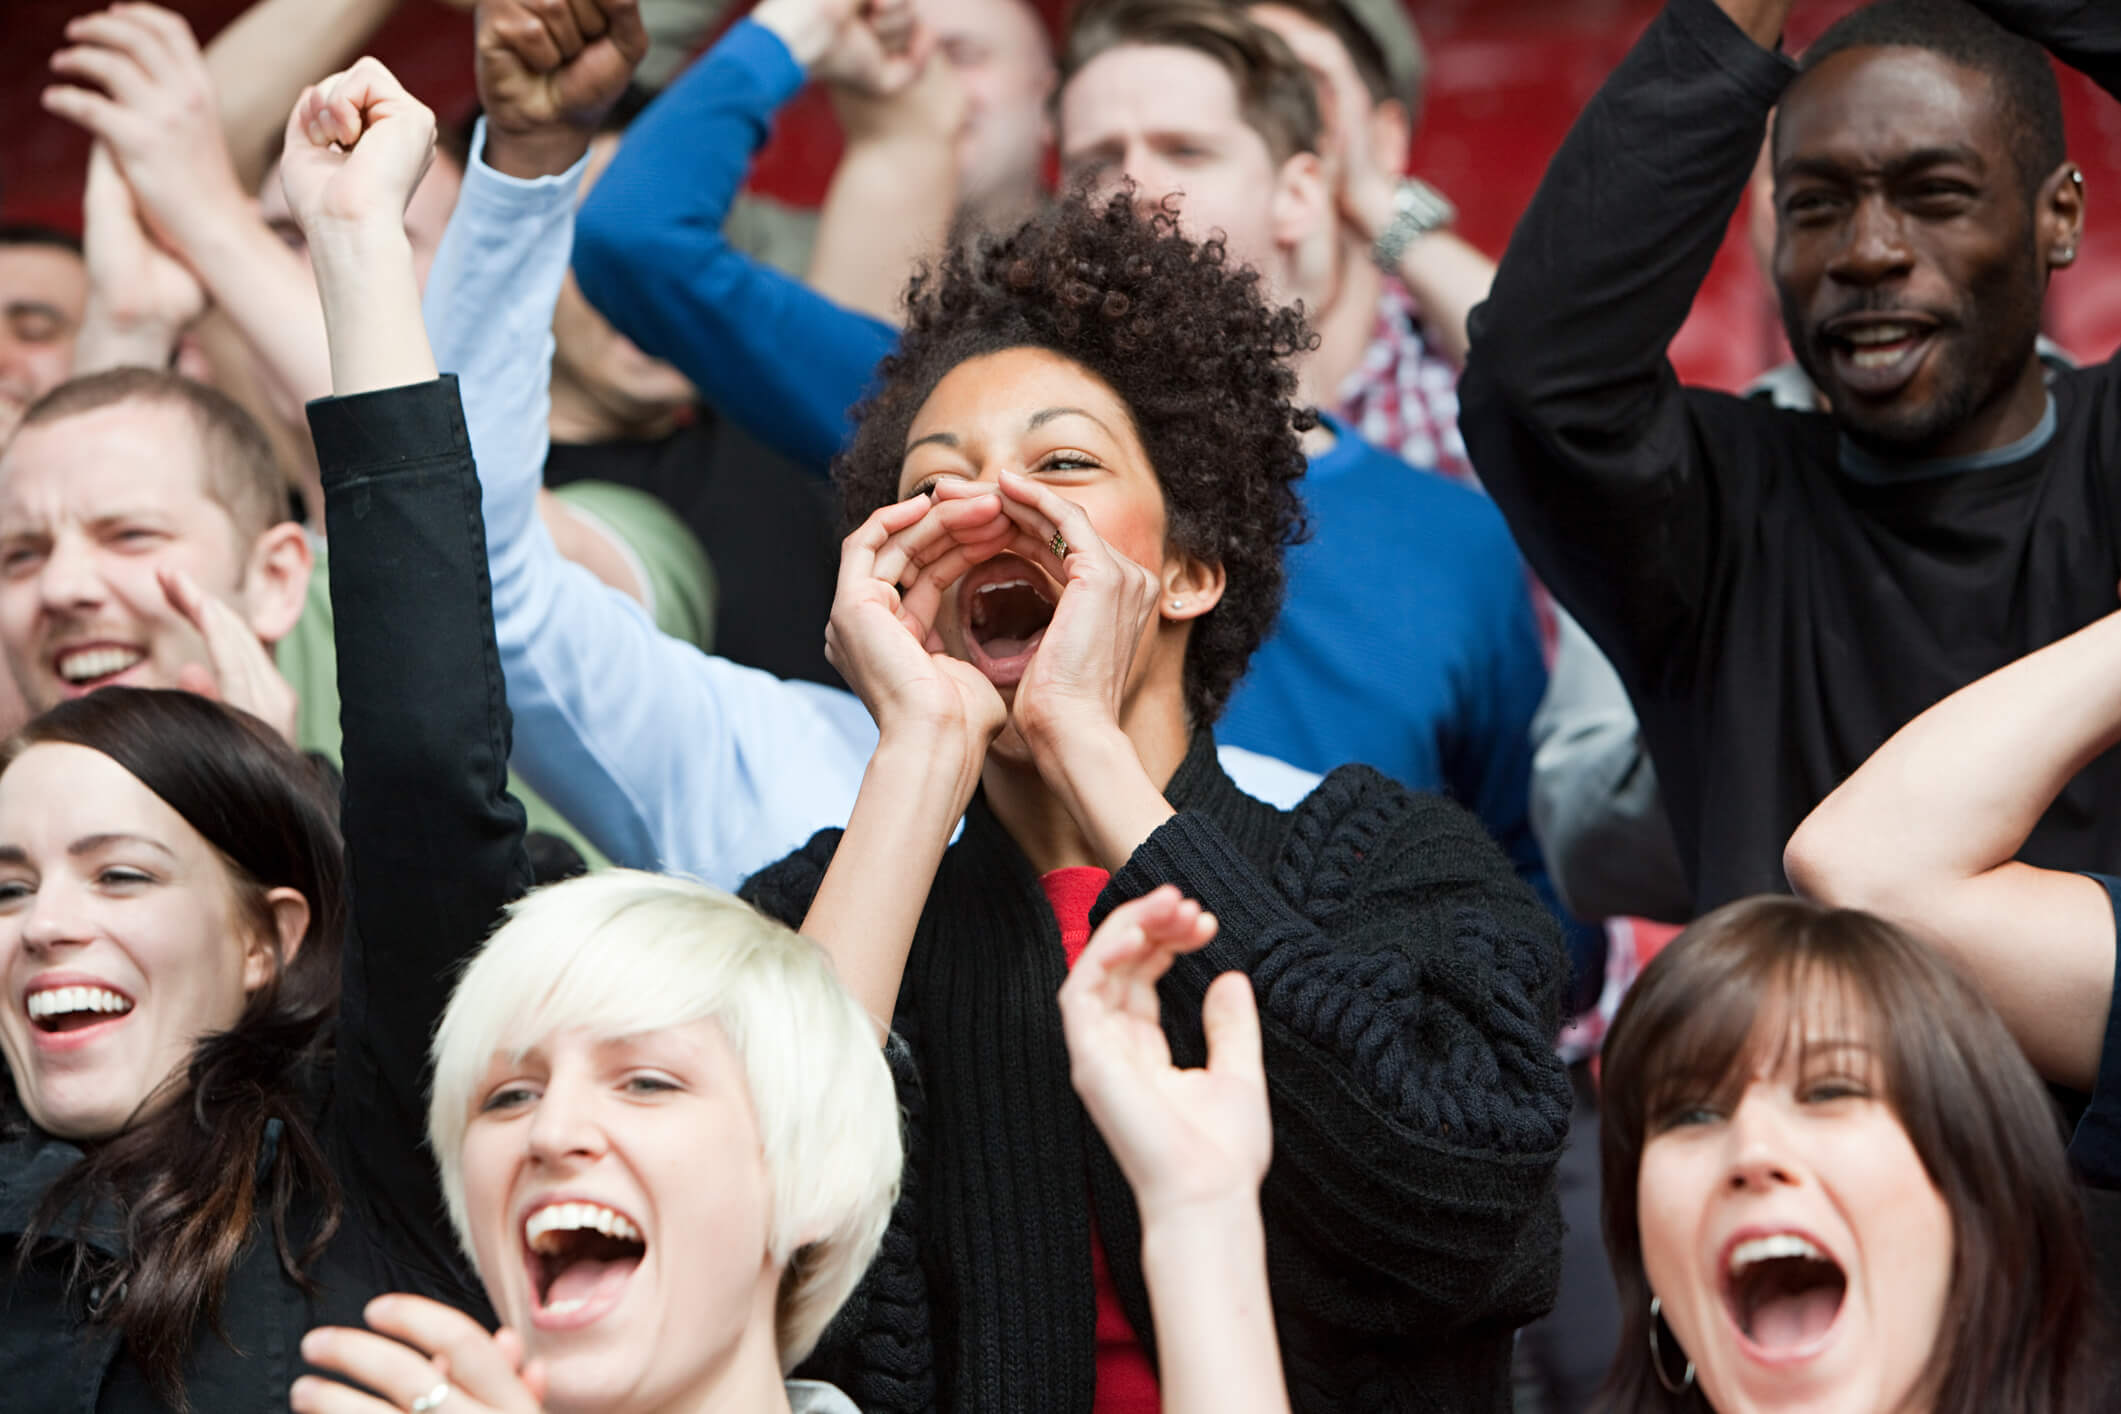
1026 795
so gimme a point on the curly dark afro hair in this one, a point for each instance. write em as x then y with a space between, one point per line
1193 348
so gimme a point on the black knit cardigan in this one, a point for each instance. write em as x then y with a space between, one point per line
1408 987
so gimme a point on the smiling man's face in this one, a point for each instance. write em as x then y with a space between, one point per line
1910 258
92 506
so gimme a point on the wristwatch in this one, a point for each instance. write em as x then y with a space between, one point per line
1417 209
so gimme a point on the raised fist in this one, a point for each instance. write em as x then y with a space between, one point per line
555 64
357 145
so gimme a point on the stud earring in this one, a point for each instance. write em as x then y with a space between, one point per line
1178 603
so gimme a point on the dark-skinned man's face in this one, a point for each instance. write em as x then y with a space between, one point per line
1910 259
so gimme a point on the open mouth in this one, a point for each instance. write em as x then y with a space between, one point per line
58 1010
1876 358
1783 1292
1005 617
91 667
580 1257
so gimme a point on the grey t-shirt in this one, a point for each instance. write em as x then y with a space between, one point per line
817 1397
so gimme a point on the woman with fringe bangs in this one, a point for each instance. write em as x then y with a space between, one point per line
1833 1183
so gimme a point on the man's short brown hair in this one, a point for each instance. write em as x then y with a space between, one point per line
1274 92
243 476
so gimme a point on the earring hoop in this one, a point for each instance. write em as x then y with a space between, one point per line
1657 1355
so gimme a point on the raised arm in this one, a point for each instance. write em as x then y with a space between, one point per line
1194 1145
936 717
767 351
662 756
261 61
1927 831
144 90
894 193
1569 405
434 841
140 297
2087 37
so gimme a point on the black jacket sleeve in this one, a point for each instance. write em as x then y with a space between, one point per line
2084 34
1570 407
1408 985
434 841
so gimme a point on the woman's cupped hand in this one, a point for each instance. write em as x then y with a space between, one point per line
896 569
882 636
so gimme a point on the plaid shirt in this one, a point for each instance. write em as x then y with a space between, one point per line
1404 395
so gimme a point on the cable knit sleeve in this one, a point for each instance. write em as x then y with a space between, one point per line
1409 988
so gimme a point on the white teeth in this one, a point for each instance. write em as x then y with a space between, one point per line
1005 584
63 1001
573 1217
1768 1249
97 663
566 1308
1880 334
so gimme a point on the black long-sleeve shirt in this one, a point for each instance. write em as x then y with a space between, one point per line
1776 606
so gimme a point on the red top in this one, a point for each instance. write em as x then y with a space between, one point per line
1126 1384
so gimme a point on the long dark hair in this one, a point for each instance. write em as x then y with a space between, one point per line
2017 1335
188 1178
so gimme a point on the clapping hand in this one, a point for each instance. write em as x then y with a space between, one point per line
141 87
145 294
1186 1139
418 1354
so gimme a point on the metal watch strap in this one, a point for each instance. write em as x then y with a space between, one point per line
1417 209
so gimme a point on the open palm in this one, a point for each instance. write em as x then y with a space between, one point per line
1180 1136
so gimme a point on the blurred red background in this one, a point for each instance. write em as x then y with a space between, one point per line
1507 76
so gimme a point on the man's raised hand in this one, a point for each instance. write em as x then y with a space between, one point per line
548 71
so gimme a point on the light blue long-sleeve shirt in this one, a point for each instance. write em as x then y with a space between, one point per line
664 756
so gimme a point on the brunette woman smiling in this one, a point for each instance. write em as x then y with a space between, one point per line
1073 492
213 1134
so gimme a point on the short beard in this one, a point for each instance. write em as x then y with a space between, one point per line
1976 362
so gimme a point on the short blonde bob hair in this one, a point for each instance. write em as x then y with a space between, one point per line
621 953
